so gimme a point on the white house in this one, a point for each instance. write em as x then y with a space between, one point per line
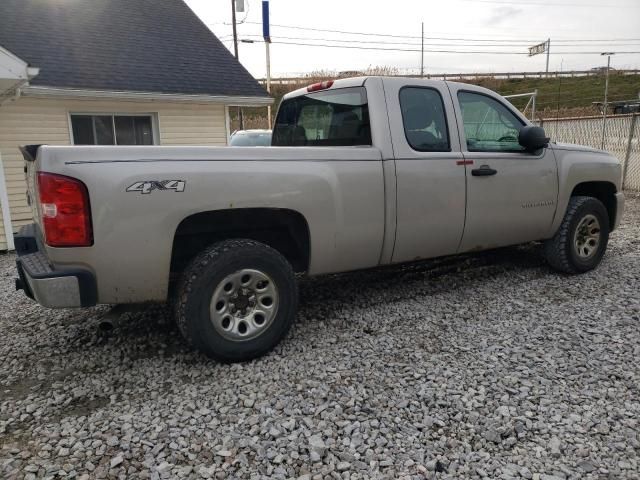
114 72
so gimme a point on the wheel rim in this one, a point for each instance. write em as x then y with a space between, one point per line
587 237
243 305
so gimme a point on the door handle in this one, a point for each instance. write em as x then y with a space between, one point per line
483 171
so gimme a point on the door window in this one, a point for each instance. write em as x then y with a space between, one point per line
489 126
425 124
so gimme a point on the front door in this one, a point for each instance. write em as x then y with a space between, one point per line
511 193
429 168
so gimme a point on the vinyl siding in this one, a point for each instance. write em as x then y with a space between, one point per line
46 121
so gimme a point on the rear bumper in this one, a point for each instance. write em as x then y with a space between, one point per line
53 288
619 209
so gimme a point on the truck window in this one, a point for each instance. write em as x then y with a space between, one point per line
489 126
425 124
337 117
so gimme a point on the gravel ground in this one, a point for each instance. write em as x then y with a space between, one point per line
481 366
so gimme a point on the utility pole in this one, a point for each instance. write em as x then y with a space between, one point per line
235 51
422 54
606 93
266 35
268 81
235 32
548 48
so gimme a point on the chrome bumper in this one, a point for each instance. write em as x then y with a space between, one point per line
49 287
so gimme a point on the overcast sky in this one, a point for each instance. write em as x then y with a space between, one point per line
484 25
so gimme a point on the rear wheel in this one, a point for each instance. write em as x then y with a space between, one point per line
580 242
236 300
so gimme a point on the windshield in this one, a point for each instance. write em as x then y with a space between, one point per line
250 139
337 117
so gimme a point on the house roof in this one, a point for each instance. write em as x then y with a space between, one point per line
122 45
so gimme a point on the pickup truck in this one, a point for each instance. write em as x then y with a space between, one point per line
362 172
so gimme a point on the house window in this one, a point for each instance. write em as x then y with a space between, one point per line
112 129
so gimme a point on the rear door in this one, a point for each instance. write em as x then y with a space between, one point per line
430 171
511 193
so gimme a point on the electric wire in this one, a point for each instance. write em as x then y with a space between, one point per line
382 42
506 40
428 50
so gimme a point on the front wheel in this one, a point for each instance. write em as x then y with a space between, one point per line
236 300
580 242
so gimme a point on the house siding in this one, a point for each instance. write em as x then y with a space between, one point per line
46 121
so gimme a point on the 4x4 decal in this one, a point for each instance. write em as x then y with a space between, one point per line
148 186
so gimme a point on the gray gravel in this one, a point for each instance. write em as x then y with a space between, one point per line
482 366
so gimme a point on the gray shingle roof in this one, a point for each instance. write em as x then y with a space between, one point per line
132 45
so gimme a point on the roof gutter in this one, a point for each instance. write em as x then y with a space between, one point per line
240 101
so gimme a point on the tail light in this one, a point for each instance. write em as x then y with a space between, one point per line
320 86
65 209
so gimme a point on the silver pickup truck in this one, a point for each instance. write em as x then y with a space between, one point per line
362 172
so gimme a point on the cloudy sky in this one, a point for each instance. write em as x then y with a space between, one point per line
478 26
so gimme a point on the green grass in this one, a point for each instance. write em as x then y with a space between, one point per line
568 92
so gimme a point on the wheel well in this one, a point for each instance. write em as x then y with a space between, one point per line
603 191
284 230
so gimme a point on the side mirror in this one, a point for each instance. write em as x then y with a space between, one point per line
533 138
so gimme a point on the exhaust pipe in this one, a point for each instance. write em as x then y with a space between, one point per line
106 325
112 318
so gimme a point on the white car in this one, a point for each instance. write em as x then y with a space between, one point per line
250 138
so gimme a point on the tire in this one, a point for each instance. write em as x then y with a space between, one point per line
226 324
567 250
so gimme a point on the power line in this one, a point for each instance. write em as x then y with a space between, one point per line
385 42
392 49
440 51
507 40
598 40
294 27
382 42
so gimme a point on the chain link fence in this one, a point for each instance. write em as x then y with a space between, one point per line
622 139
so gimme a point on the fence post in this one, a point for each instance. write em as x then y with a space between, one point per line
627 155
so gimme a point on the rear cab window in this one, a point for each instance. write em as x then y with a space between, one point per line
338 117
